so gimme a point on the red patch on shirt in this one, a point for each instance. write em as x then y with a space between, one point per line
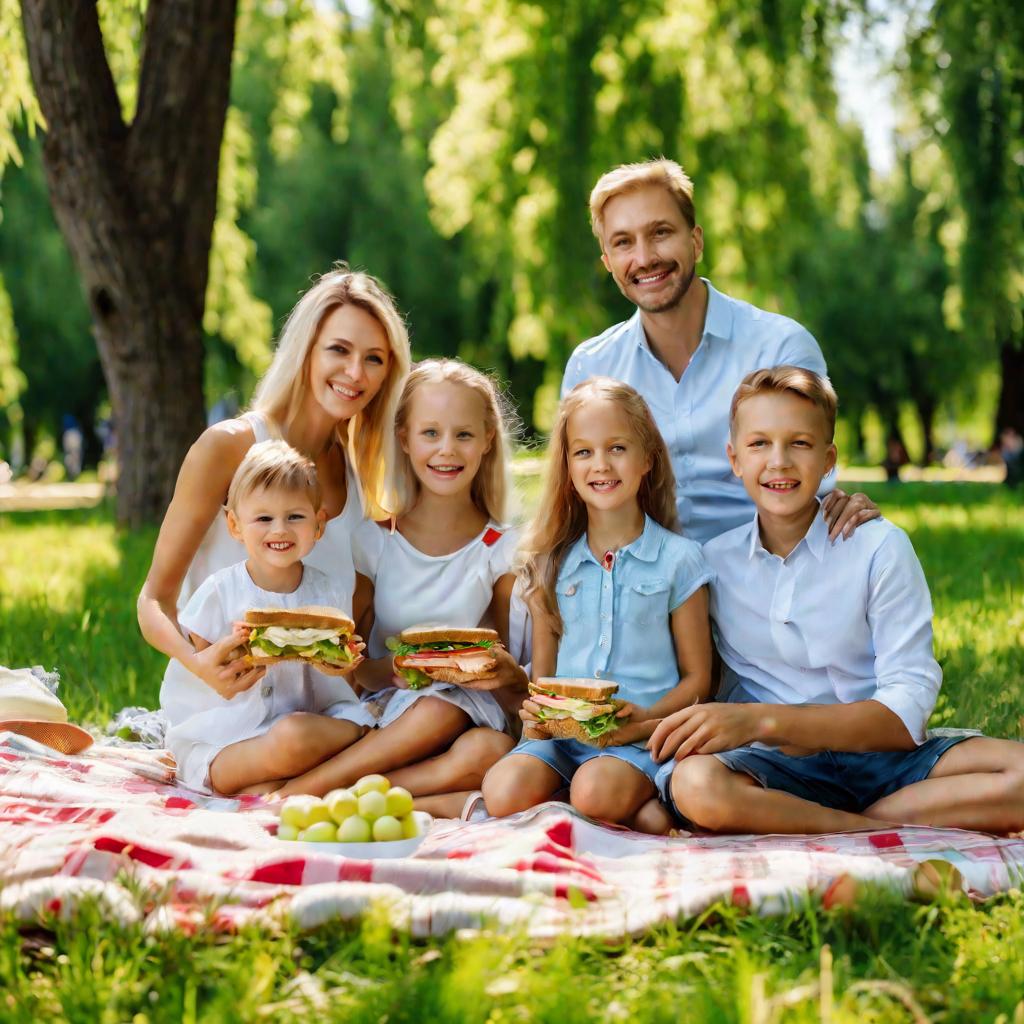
491 537
886 840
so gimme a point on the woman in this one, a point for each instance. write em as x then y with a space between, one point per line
330 392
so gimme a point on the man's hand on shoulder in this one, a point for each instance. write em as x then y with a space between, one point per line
845 512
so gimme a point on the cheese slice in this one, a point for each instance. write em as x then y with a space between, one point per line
284 636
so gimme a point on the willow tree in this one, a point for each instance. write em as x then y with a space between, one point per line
967 68
536 99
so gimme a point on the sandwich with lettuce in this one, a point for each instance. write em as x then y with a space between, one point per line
578 709
446 654
323 637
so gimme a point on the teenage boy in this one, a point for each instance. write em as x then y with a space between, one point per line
829 676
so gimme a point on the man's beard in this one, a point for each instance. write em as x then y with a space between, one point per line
677 295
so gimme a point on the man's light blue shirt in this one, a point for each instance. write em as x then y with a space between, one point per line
693 412
616 622
828 624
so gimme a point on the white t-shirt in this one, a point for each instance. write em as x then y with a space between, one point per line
414 589
198 715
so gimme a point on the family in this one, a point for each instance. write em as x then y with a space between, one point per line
770 636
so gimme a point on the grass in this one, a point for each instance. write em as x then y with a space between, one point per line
67 592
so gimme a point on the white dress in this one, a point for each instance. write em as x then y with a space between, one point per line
202 722
332 553
411 588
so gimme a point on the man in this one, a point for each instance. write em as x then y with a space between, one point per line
688 346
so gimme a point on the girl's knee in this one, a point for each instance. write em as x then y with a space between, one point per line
509 788
481 748
289 744
603 791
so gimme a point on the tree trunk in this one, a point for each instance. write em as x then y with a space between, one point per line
1010 411
926 415
136 204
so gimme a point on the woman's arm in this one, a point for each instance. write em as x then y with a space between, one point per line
198 496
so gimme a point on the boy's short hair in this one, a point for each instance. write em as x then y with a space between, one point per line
795 379
274 464
631 177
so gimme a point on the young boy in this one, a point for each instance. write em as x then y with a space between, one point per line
829 676
265 733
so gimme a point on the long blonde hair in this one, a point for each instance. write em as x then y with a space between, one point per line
368 436
491 485
561 518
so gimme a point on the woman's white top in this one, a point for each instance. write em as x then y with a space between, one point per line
411 588
199 717
332 553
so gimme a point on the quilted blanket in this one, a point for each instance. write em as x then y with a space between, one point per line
111 826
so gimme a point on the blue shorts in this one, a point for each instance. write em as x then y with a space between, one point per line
841 780
566 756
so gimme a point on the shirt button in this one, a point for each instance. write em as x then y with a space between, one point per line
597 673
604 641
687 460
605 616
266 691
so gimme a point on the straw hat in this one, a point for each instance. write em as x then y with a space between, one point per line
27 707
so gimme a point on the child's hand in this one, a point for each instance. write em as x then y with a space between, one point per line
224 667
533 727
705 729
634 712
507 674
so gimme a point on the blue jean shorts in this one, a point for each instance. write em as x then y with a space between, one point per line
841 780
566 756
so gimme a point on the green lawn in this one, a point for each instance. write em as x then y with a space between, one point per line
67 590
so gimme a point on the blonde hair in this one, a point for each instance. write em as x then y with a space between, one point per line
491 485
274 465
369 435
793 379
631 177
562 516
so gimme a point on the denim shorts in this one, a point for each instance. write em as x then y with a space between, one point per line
566 756
841 780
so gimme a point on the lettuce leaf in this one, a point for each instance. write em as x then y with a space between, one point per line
415 678
595 727
400 649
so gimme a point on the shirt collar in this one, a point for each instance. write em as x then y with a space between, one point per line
646 548
816 538
717 319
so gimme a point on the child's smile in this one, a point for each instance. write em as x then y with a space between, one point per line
606 462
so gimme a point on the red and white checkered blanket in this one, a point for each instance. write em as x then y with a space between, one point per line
110 825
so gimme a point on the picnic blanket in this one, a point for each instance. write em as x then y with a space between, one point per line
111 826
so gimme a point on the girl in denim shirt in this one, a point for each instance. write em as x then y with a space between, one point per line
615 595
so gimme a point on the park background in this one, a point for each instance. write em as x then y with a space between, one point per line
859 166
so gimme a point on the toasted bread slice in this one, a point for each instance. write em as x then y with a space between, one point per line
570 729
439 634
581 689
311 616
328 668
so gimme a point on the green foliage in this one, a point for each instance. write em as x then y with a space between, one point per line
889 962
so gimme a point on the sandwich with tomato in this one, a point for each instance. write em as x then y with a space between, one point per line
578 709
446 654
323 637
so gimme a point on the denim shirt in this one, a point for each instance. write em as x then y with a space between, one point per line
616 623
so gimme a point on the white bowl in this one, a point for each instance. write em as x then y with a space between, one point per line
370 851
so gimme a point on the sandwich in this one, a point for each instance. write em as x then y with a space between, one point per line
323 637
578 709
445 654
